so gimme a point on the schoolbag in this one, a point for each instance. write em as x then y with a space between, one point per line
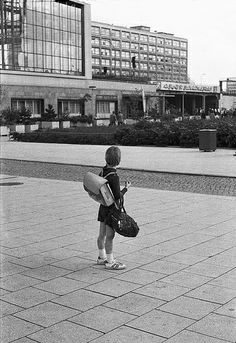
98 188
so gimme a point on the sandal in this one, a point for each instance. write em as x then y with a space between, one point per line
115 266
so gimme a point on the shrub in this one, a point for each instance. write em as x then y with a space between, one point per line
49 114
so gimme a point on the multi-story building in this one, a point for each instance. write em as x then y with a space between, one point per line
43 45
136 53
45 58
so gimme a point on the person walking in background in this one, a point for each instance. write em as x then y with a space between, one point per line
112 119
106 233
120 118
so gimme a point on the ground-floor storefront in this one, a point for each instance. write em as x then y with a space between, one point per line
101 98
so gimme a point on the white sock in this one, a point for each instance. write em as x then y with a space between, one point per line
110 258
102 253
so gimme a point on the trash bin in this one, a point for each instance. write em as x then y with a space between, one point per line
207 140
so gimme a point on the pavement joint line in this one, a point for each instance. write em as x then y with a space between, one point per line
122 168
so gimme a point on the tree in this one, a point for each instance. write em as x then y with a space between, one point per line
49 114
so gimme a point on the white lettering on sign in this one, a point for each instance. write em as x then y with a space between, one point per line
186 87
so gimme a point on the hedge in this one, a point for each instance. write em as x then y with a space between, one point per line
184 134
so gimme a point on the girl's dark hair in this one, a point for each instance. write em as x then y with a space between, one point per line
113 156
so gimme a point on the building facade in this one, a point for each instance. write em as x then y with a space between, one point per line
137 54
45 58
43 52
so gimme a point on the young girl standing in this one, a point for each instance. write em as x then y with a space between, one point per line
106 233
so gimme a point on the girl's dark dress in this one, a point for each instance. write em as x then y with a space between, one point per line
114 183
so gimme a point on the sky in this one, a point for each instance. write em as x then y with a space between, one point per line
208 25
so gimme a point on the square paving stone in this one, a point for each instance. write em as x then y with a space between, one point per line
213 293
164 267
126 335
28 297
8 268
46 273
16 282
184 258
91 275
113 287
73 263
14 328
228 309
186 279
161 323
24 340
189 307
227 280
61 285
103 319
140 276
192 337
6 308
207 269
35 261
47 314
65 332
136 304
162 290
218 326
82 300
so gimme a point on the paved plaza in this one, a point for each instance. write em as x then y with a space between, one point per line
180 281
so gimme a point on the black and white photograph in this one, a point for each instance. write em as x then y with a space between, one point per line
118 171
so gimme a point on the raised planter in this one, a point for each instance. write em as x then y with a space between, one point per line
64 124
49 125
17 128
31 127
4 131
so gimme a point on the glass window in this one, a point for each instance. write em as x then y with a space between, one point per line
143 47
134 46
40 34
168 51
152 48
160 41
105 52
134 36
125 54
183 53
96 30
168 42
34 105
95 41
143 38
104 106
115 43
183 45
176 43
125 45
175 52
160 50
152 39
105 42
125 34
71 107
115 33
105 31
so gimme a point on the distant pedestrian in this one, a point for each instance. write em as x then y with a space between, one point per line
120 118
112 119
106 233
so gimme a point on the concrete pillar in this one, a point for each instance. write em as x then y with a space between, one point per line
163 105
204 103
193 104
182 105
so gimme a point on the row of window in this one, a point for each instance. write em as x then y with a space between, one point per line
65 106
127 64
141 56
142 67
96 30
153 76
126 45
36 106
152 51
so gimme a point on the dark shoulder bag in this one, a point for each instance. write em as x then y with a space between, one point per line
121 222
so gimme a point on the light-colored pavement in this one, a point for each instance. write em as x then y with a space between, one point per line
180 281
180 160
